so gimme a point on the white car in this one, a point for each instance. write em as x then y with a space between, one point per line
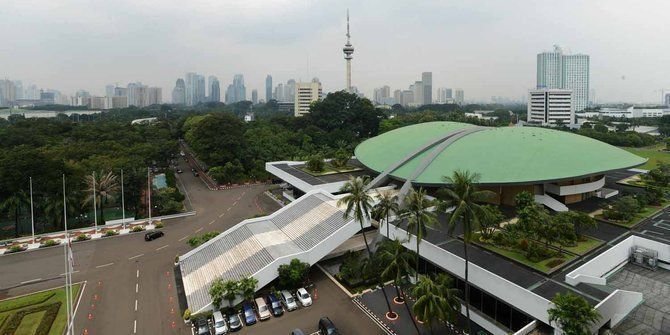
220 326
304 297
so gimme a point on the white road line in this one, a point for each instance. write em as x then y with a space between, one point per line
135 327
222 214
138 273
234 203
163 247
183 238
215 220
30 281
73 272
137 287
136 256
199 230
135 305
228 209
104 265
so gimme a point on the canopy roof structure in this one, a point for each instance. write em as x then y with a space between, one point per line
426 152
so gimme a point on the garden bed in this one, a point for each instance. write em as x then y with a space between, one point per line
546 266
648 211
329 169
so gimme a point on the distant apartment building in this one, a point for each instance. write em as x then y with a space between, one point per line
305 94
444 96
154 96
179 92
236 91
195 89
459 96
667 99
381 95
214 89
556 70
550 107
268 88
254 96
427 86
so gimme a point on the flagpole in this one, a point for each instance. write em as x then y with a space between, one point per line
32 212
123 204
68 301
95 207
149 190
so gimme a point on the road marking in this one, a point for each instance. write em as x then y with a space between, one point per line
221 215
183 238
228 209
31 281
73 272
163 247
136 256
234 203
104 265
215 220
135 327
199 230
137 287
138 273
135 305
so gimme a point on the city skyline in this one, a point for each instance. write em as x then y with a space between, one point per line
495 54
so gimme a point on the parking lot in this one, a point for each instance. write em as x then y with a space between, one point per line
657 226
328 300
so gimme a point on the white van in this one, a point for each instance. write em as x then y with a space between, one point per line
220 326
262 308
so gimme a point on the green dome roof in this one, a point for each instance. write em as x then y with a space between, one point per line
509 155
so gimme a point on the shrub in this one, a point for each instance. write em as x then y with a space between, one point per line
15 248
159 225
523 244
187 314
82 237
48 243
535 253
200 239
50 313
555 262
293 275
315 163
136 229
111 233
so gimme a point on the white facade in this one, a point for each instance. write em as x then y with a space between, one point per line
549 68
630 112
556 70
550 106
305 94
459 96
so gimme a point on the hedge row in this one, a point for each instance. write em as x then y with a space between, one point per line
36 299
51 312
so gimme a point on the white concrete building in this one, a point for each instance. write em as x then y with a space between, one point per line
556 70
550 106
305 94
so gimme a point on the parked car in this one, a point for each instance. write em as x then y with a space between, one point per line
275 305
288 301
202 327
304 297
262 308
296 332
179 170
220 326
249 314
152 235
327 327
234 322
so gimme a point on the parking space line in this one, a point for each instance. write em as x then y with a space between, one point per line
138 273
222 214
199 230
228 209
137 287
183 238
214 220
135 305
136 256
104 265
163 247
135 327
31 281
234 203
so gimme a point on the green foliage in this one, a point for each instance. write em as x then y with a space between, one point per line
341 158
490 220
523 199
137 229
659 176
572 314
109 233
216 292
293 275
82 237
200 239
29 300
47 320
187 313
15 248
217 138
231 289
351 269
167 201
248 287
622 209
159 225
48 243
315 163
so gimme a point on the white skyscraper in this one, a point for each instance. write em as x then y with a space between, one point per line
556 70
305 94
550 107
459 96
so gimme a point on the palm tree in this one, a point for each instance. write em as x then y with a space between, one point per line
429 304
387 205
106 185
13 206
452 306
419 218
463 196
359 204
572 313
231 289
53 209
399 265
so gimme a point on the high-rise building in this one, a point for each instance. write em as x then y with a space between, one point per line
667 99
551 107
7 92
236 91
32 92
154 96
459 96
195 89
121 92
214 89
418 93
109 90
279 93
427 87
290 90
179 92
556 70
348 52
305 94
18 89
444 96
268 88
407 97
381 95
397 97
132 91
254 96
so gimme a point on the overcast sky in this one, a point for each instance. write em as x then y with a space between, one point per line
488 48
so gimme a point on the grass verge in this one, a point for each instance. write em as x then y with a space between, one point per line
654 153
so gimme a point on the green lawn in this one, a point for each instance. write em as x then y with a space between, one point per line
645 213
652 153
583 247
519 257
30 321
329 169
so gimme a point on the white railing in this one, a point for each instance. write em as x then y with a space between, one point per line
550 202
575 189
615 307
527 329
299 183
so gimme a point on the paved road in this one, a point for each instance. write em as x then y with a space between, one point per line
122 270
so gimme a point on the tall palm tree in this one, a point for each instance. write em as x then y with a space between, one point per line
464 198
359 205
429 304
53 208
13 206
106 185
399 263
387 205
419 218
451 305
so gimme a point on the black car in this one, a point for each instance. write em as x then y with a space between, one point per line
202 327
152 235
327 327
275 305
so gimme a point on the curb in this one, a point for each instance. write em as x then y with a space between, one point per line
374 317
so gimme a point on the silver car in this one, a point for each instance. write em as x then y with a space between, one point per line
288 301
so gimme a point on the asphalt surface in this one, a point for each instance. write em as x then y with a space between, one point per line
130 283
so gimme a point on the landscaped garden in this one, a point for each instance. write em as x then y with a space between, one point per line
317 166
628 211
655 153
40 313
